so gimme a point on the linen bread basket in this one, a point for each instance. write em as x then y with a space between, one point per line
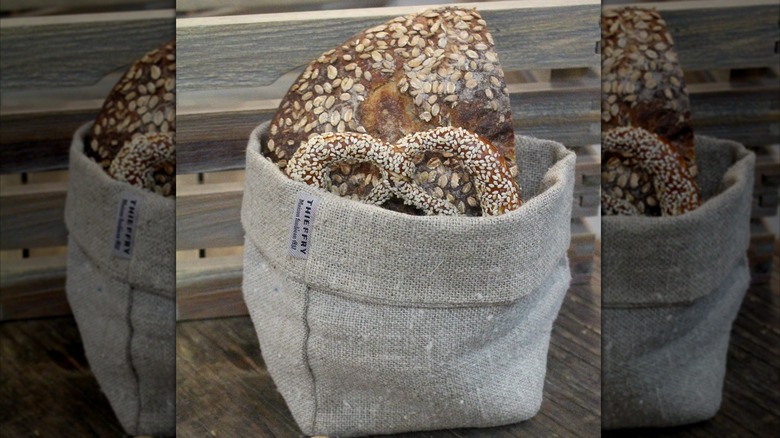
385 322
121 287
672 287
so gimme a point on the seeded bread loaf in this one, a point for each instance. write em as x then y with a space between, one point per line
142 103
643 87
413 73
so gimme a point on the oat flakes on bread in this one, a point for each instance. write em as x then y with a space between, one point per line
643 88
413 73
141 104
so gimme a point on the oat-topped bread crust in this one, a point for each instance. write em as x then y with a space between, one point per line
642 87
413 73
142 102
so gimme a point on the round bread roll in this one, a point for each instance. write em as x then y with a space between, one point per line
142 103
642 87
413 73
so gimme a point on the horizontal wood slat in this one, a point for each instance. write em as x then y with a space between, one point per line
39 141
33 288
20 5
255 50
32 216
209 287
747 112
77 50
717 34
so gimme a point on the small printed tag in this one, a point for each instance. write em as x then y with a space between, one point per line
126 221
302 223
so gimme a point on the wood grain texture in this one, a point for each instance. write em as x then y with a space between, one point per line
195 5
746 111
723 33
209 288
255 50
209 215
18 5
39 141
32 215
224 389
33 288
76 50
47 388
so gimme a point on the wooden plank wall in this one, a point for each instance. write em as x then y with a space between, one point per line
56 71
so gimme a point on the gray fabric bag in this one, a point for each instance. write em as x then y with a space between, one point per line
672 288
123 304
394 322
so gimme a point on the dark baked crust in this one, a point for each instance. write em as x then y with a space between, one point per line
143 101
642 86
413 73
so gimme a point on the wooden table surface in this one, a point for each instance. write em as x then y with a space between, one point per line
223 387
46 387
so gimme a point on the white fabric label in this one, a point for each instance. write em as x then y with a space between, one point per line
302 224
126 221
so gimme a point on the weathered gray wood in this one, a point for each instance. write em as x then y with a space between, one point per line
33 288
31 216
209 216
213 141
209 288
75 50
747 112
34 142
723 33
19 5
255 50
196 5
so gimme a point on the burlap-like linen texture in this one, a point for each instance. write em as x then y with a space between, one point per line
396 323
671 289
124 307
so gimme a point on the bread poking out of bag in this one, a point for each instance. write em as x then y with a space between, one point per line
413 73
141 104
643 88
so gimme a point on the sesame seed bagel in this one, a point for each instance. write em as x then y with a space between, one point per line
143 102
495 187
675 186
642 87
410 74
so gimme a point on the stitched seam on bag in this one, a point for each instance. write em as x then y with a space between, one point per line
306 302
106 270
131 333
